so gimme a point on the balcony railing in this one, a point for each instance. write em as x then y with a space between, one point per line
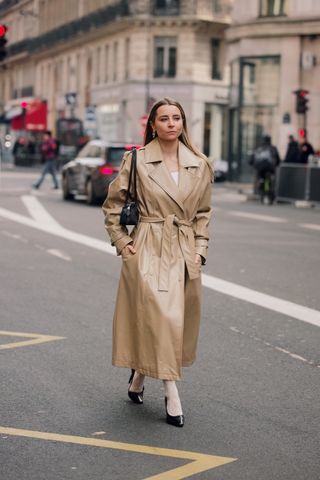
217 9
165 7
6 4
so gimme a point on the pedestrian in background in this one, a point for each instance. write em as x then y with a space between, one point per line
293 151
264 160
48 151
157 313
306 149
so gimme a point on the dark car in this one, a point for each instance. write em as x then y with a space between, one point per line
91 172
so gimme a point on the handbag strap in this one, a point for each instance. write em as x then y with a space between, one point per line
132 177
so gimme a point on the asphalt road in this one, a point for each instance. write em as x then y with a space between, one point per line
252 396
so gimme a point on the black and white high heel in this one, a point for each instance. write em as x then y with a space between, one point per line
175 420
136 397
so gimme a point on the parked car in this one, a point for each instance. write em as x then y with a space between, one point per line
92 171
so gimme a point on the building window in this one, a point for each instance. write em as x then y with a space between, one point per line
115 61
15 93
78 67
42 80
68 74
106 63
273 8
27 91
127 59
98 65
166 7
165 57
254 101
215 54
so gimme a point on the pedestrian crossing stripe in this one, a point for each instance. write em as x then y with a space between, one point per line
34 339
199 462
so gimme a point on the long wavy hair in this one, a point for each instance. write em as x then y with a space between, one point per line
184 137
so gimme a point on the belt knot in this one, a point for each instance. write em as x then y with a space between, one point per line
186 242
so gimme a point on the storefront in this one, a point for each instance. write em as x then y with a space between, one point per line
27 120
214 133
254 109
29 116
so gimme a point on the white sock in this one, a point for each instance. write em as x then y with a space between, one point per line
174 405
137 382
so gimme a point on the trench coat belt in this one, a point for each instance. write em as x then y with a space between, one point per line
186 242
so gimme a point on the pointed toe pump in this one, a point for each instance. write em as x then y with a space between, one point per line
135 397
177 420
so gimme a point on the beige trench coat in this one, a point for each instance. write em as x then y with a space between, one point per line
157 313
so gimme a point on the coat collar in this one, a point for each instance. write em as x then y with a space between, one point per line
186 157
158 171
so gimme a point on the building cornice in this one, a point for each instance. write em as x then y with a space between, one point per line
8 6
68 32
94 26
274 27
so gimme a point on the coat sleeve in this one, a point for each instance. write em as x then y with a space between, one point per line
202 217
113 204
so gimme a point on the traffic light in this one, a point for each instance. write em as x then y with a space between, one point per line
3 42
301 100
302 132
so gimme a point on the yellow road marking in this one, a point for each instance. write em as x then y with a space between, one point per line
35 339
200 462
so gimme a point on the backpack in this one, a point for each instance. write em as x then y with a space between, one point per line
264 159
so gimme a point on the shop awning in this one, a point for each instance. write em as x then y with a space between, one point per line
32 118
13 113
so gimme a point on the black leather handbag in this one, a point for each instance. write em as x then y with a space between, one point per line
130 212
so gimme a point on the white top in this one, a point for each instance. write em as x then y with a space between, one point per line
175 176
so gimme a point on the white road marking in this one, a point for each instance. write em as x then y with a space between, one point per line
59 254
310 226
59 231
283 350
275 304
255 216
15 236
38 212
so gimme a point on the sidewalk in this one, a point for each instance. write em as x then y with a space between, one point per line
242 188
10 167
246 189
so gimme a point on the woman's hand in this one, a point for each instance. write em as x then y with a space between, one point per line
127 251
198 259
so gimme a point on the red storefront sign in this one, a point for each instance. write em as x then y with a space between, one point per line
33 117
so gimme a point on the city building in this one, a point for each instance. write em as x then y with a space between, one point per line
273 50
105 62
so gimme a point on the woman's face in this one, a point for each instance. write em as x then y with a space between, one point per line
168 123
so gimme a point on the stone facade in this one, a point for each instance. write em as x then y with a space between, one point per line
109 53
287 32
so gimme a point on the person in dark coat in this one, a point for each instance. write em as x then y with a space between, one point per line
293 151
264 160
306 149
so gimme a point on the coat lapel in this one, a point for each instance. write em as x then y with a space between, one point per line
188 174
159 173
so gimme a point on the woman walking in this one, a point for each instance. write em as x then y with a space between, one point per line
157 313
